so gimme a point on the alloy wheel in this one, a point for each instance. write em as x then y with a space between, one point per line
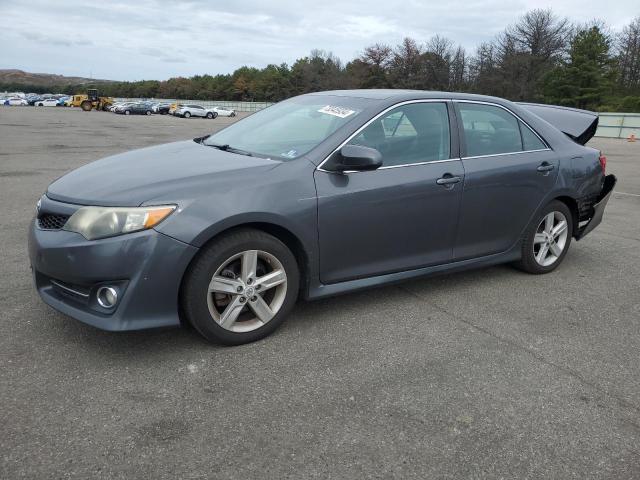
247 291
550 238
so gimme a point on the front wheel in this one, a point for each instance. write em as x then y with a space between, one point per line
547 239
186 115
241 287
127 112
148 112
209 115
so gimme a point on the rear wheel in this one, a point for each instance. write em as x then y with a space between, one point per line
148 112
547 239
127 112
209 115
86 105
240 288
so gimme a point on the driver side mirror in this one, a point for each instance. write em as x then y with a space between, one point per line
358 158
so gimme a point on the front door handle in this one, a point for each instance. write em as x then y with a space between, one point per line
545 167
447 179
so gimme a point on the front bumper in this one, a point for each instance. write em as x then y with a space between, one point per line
145 267
598 208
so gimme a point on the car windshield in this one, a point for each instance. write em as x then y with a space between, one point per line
289 129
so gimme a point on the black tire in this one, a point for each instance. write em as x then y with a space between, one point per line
148 112
210 115
86 105
527 262
127 112
233 114
186 115
194 291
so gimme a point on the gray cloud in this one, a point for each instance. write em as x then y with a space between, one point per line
163 38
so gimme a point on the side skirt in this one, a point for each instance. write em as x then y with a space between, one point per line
318 290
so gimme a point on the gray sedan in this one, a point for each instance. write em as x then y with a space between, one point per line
319 195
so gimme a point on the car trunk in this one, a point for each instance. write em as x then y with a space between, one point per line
580 125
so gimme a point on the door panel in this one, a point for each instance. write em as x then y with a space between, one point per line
388 220
501 193
508 173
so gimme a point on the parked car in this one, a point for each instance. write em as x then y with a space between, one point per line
161 108
134 109
187 111
315 196
224 112
16 101
47 102
33 99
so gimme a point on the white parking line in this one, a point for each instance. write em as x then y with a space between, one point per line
625 193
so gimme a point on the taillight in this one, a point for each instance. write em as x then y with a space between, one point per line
603 163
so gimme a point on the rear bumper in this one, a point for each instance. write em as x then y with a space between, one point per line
145 268
598 207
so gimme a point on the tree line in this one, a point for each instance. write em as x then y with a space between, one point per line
540 58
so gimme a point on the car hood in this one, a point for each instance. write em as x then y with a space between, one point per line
132 178
580 125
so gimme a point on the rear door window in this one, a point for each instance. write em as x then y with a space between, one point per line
492 130
489 130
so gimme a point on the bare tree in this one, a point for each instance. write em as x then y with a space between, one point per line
406 65
526 51
541 34
484 70
378 55
628 53
437 63
459 69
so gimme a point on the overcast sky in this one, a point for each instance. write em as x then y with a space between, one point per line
159 39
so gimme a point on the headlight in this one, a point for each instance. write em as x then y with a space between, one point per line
100 222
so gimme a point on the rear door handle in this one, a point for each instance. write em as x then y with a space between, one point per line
545 167
447 179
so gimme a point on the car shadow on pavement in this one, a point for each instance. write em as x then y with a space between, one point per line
305 319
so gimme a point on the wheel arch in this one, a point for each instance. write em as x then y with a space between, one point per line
285 235
572 205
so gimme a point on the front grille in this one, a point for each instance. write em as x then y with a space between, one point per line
52 222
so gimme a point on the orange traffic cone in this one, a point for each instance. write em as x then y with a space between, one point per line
632 138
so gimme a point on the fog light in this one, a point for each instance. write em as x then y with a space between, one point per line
107 297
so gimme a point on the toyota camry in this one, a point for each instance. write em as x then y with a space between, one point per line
318 195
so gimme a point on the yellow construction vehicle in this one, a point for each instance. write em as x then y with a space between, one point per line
90 101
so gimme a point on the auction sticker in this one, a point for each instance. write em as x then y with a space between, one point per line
336 111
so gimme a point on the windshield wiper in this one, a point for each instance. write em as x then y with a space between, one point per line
228 148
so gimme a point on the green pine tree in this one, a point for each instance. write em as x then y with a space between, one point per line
587 76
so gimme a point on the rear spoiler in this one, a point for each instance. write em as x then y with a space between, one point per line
580 125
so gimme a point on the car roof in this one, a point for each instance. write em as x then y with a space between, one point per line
400 95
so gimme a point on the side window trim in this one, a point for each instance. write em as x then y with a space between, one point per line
462 139
454 137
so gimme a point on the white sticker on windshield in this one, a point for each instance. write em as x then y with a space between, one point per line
336 111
